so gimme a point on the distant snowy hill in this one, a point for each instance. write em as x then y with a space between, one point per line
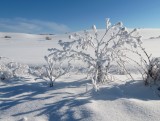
31 48
27 48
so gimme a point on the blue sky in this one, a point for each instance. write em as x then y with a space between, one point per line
60 16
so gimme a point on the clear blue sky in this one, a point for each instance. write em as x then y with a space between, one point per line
59 16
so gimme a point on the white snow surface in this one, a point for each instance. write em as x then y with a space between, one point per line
30 100
30 48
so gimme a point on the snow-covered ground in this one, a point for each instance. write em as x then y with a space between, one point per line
28 100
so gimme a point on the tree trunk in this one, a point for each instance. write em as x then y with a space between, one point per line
100 73
51 84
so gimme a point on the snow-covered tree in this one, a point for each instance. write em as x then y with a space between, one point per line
56 66
99 51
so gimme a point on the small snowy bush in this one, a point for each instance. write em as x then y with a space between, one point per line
153 72
5 72
48 38
10 70
146 65
18 69
7 36
56 66
6 75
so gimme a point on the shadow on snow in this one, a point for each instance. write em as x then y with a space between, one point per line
129 90
64 109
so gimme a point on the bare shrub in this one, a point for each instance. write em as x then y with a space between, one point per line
48 38
7 36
